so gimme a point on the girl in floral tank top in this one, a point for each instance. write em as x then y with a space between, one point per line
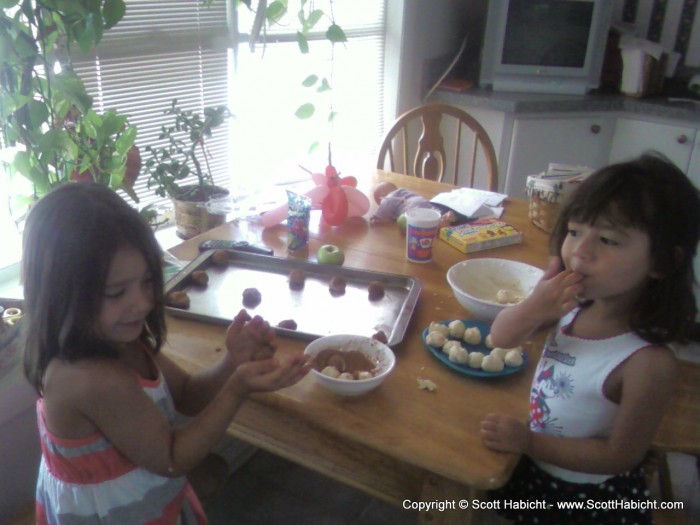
618 290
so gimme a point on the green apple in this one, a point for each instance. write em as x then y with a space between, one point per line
330 254
401 223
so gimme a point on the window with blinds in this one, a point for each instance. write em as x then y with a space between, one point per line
160 51
181 49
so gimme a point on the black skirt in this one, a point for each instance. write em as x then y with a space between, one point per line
533 496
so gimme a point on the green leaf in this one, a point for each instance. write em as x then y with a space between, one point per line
113 12
325 86
313 18
24 47
336 34
57 140
309 81
5 4
91 32
331 116
38 113
303 43
275 11
39 179
89 128
113 123
71 86
305 111
22 163
126 140
313 147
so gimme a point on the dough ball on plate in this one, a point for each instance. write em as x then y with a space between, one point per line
459 355
435 339
492 364
499 352
475 359
439 327
472 335
488 341
514 358
449 345
457 329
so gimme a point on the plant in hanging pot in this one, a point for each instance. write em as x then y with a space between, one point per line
178 167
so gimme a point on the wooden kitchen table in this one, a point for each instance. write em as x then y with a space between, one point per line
398 443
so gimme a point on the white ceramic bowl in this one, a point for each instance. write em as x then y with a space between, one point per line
476 283
376 351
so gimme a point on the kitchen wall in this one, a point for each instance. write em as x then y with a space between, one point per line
423 35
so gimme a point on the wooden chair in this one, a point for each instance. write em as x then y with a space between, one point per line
679 432
419 134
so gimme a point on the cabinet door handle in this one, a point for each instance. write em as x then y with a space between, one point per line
682 139
595 129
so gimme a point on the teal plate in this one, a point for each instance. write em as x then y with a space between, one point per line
485 329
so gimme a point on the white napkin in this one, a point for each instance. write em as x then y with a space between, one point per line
477 204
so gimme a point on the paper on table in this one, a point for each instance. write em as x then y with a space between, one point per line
472 203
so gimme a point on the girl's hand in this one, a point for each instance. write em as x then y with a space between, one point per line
556 294
505 433
269 374
249 339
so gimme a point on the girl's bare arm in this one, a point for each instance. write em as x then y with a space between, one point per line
118 407
647 388
552 298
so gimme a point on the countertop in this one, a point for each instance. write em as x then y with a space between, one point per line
662 107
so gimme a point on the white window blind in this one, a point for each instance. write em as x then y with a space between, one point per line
160 51
181 49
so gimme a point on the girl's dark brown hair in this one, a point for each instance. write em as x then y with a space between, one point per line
650 194
70 239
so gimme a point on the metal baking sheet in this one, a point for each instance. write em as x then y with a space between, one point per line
314 309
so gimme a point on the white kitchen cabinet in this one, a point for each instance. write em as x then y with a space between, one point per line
569 139
636 136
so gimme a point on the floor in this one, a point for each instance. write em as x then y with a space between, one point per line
268 490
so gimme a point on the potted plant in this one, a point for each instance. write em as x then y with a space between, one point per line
45 112
178 167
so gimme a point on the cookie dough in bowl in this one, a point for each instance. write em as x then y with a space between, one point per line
486 286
